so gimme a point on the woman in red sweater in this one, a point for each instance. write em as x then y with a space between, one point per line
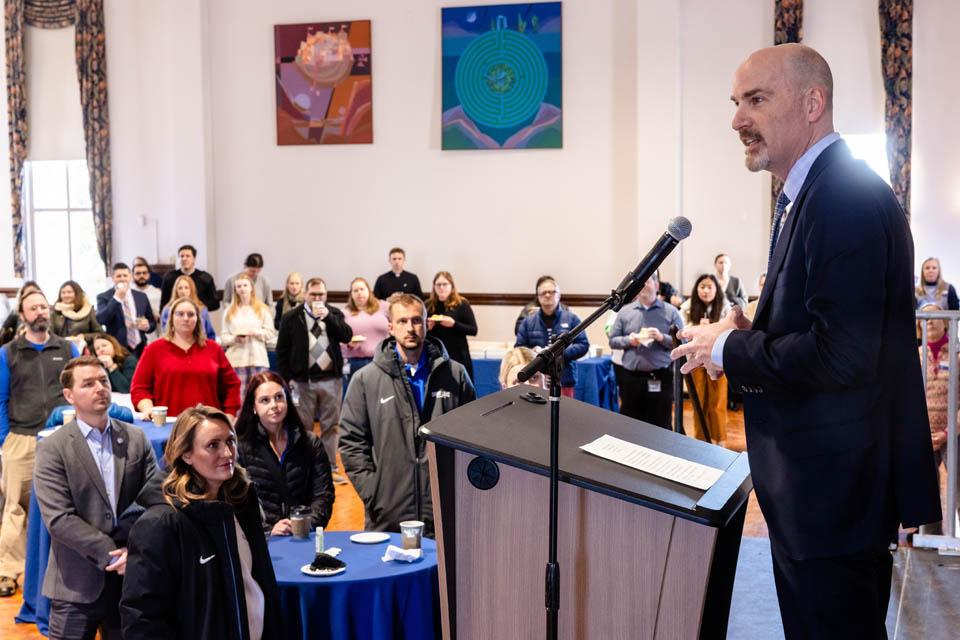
185 368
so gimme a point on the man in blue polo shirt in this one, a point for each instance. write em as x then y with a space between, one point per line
642 330
411 381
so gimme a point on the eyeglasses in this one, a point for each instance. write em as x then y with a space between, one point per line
184 314
547 294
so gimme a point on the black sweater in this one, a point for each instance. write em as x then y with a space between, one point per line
301 478
455 338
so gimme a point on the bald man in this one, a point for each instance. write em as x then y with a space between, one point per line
836 421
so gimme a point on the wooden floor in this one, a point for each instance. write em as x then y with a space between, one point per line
348 516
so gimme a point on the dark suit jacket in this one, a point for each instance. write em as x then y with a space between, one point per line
74 505
836 420
110 315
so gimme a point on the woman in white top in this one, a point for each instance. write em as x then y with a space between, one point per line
247 332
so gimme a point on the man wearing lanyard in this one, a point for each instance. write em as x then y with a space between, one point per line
642 330
411 381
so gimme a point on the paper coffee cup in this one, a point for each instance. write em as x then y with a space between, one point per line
159 415
411 534
69 415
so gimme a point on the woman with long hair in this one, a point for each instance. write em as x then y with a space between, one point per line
185 287
706 305
119 363
933 289
198 564
367 316
247 331
184 368
291 297
287 463
450 319
73 316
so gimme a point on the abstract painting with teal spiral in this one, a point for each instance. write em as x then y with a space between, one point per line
502 77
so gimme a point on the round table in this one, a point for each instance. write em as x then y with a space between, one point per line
36 606
371 599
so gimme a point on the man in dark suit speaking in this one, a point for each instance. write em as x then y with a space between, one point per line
835 417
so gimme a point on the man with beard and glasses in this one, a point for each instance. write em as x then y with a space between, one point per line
834 410
411 381
142 283
30 388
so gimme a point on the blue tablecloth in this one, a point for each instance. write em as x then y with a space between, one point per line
596 382
371 599
36 607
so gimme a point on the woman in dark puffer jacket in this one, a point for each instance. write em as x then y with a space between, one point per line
287 464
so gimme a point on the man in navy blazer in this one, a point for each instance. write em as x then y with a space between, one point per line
834 408
125 313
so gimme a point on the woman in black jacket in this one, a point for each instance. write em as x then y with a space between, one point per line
450 319
286 462
198 565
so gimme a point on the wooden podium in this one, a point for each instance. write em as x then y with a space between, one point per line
640 556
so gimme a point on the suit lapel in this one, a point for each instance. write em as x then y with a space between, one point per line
121 441
796 210
82 451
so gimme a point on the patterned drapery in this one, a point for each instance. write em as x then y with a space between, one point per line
87 15
787 27
896 41
92 72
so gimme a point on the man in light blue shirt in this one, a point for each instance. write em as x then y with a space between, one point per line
642 330
93 479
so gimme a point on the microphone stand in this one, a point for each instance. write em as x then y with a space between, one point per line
550 362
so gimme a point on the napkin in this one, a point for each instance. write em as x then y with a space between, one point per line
394 552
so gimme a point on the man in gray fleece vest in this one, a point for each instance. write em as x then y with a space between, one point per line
30 388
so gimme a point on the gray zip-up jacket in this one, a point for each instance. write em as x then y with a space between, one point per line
379 423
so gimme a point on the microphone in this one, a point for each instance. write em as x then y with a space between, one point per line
677 229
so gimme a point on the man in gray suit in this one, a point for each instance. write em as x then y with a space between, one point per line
91 478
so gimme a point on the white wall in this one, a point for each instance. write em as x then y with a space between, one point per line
646 137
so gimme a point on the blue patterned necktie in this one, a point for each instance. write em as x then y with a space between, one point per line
778 211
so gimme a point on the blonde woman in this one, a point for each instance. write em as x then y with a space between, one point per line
247 331
291 297
513 361
367 316
933 289
184 287
198 564
184 368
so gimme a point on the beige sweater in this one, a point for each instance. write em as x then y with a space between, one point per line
262 335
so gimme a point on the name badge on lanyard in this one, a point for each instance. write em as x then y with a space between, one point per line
653 385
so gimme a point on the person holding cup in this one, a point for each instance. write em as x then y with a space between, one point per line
285 461
247 331
183 368
310 359
125 313
450 319
197 560
119 363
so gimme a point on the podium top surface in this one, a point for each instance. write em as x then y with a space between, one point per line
510 430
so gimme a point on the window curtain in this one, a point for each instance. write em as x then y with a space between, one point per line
896 42
787 27
87 15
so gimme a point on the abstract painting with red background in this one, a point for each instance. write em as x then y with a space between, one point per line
324 83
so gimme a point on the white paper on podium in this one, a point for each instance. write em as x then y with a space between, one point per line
692 474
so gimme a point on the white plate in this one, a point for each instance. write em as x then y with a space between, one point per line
321 573
370 537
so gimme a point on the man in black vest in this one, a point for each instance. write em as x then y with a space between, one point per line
30 388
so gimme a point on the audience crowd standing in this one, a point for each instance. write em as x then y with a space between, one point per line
369 375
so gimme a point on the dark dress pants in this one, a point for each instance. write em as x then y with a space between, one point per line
843 597
639 403
76 621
